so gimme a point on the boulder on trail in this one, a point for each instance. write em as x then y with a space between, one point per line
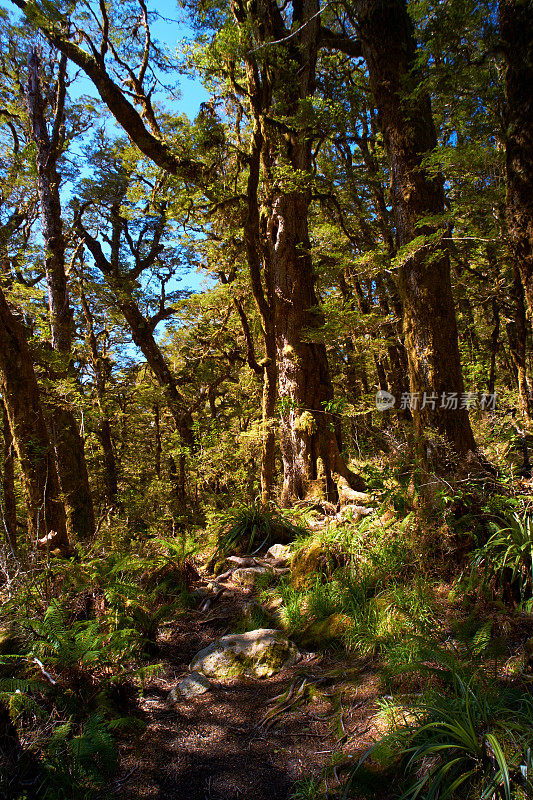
255 654
248 575
193 685
279 552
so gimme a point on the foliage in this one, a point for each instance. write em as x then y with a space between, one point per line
78 660
474 740
250 528
507 556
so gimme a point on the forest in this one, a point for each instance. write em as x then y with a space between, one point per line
266 400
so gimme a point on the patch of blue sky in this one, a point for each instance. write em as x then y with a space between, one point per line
169 28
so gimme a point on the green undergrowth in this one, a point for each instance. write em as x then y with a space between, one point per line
458 738
249 528
359 578
78 644
455 715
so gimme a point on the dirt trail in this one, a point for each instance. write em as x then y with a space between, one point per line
214 748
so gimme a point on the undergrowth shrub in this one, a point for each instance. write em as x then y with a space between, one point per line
246 529
473 741
362 572
505 562
85 629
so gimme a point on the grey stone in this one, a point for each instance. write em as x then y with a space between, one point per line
279 552
257 654
193 685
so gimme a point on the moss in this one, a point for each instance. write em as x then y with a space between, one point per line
324 631
306 423
306 563
226 659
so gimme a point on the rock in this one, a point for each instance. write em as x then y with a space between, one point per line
325 631
248 575
279 552
256 654
307 563
193 685
241 561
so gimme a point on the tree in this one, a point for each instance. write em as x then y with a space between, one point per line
424 284
68 444
310 450
8 506
20 392
280 84
121 278
516 32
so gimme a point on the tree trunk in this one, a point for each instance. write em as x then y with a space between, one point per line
68 444
494 344
143 336
9 503
18 385
517 336
424 284
110 464
102 369
278 239
158 449
268 412
516 32
310 451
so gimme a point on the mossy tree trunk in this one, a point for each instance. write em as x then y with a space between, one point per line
405 119
517 336
278 246
9 503
18 385
68 443
516 33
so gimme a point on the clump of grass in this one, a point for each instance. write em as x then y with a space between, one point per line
246 529
506 560
362 572
473 741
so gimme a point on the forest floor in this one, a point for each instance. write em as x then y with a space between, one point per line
214 747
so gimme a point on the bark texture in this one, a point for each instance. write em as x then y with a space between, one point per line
405 119
278 248
517 336
68 444
516 31
19 389
9 504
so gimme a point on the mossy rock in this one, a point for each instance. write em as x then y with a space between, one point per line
255 654
316 558
325 631
194 685
307 563
217 567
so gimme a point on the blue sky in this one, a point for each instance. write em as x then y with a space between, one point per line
168 31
